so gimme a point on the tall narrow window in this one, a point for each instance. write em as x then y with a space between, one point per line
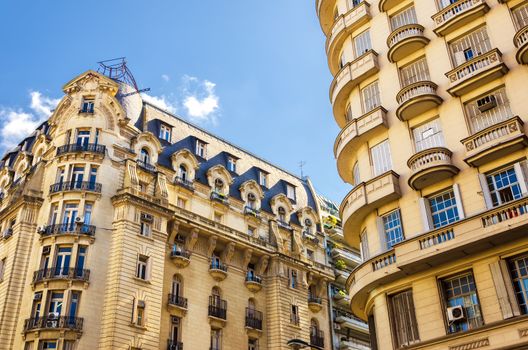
165 132
77 176
140 313
88 208
503 186
444 210
520 16
54 214
253 344
362 43
282 214
381 158
142 265
403 18
231 164
371 97
55 305
294 315
144 156
392 226
403 319
460 291
414 72
263 179
62 261
87 105
201 149
83 138
182 173
216 339
74 306
519 275
428 135
472 45
290 191
489 110
69 214
365 254
2 268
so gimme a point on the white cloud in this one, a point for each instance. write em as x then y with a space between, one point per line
201 101
160 102
165 77
16 124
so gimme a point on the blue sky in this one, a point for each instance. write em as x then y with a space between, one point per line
252 72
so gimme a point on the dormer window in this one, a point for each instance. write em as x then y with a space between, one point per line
252 201
308 226
144 156
165 132
201 149
218 185
182 173
290 192
282 214
87 105
263 179
231 164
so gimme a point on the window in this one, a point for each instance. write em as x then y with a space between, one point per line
381 158
294 315
251 231
403 18
282 214
370 96
503 186
252 200
140 313
69 214
342 60
355 174
28 345
471 45
142 265
231 164
145 228
444 210
519 274
219 185
480 118
165 132
362 43
83 138
180 203
55 305
365 255
252 344
290 191
37 305
216 339
2 268
520 16
92 178
81 260
263 179
428 135
88 208
144 156
201 149
403 319
62 261
87 105
354 3
60 175
77 176
182 173
49 344
293 279
74 306
414 72
348 113
461 291
392 227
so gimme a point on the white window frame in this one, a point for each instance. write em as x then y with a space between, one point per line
165 132
290 192
381 158
201 149
142 267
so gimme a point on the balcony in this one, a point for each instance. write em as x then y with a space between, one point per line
521 43
416 99
218 270
8 232
284 225
458 14
151 168
315 304
349 321
52 322
188 185
350 76
386 5
355 133
476 73
353 344
71 186
348 257
363 199
217 311
177 304
180 256
343 26
220 198
253 282
174 345
405 40
92 148
317 339
495 142
325 12
70 229
430 166
253 322
57 273
252 212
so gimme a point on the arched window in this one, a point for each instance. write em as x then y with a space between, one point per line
216 292
177 286
182 173
144 156
314 327
252 201
252 305
308 226
282 214
219 185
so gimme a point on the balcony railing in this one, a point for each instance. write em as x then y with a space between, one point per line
61 273
458 14
317 338
400 46
220 197
67 229
177 300
184 183
430 166
315 300
76 148
217 307
146 166
54 322
251 277
295 319
251 211
180 252
174 345
521 43
217 265
87 186
417 98
283 224
384 260
253 319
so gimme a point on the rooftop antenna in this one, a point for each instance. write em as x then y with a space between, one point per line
117 69
302 163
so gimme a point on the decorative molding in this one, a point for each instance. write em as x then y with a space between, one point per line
471 345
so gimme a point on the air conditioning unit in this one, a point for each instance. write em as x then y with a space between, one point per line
53 315
46 249
455 313
41 229
486 103
37 296
79 220
146 217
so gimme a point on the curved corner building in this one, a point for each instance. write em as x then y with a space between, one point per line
431 99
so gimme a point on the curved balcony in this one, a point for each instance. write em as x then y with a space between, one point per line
458 14
218 270
343 26
181 257
62 274
476 72
405 40
521 43
52 322
355 133
495 142
177 304
71 229
363 199
430 166
253 282
416 99
217 311
72 186
315 304
253 322
325 12
350 76
92 148
386 5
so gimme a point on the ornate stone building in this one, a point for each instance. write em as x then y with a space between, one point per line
125 227
430 96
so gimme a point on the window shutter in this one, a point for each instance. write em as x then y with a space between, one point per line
458 199
133 316
503 296
521 172
509 287
372 333
485 191
425 212
460 58
381 233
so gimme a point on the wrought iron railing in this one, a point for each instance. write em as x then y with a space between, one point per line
61 273
145 165
251 277
88 186
177 300
54 322
217 307
75 148
317 338
174 345
253 319
178 180
69 228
